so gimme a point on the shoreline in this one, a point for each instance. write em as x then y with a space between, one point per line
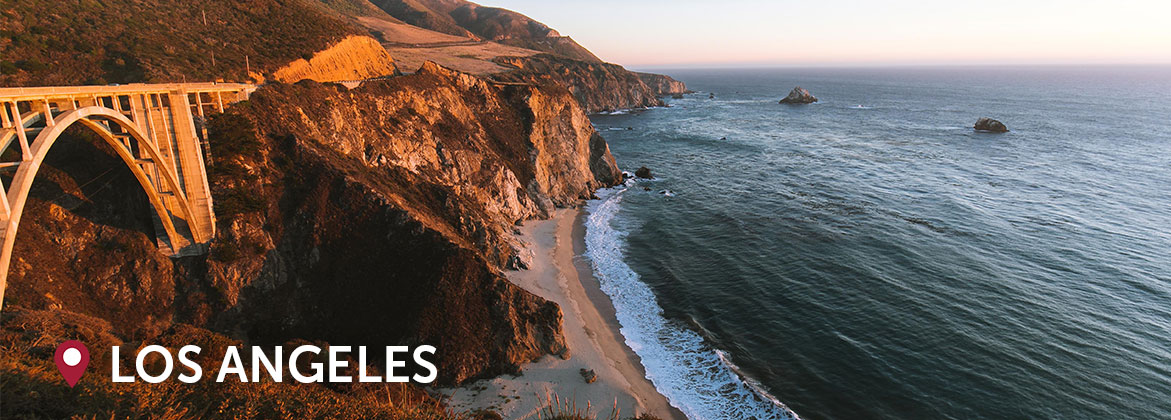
560 273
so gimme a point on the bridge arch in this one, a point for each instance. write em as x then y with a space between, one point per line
95 118
151 128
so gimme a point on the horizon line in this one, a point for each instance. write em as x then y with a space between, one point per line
740 66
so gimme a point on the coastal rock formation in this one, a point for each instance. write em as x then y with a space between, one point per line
990 125
390 203
588 375
799 96
662 84
405 185
643 172
353 58
597 86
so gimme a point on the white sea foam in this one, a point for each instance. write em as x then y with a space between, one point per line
696 378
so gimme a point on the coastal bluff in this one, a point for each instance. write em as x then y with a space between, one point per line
391 203
662 84
352 58
373 213
597 86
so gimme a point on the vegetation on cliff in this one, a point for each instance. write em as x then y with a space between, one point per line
464 18
121 41
353 58
32 388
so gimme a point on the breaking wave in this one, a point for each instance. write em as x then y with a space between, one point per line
699 380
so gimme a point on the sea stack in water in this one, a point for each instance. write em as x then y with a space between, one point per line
990 125
799 96
643 172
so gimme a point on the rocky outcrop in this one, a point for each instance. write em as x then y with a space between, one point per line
990 125
597 86
799 96
396 209
662 84
643 172
389 204
353 58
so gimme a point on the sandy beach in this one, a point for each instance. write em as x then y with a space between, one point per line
561 274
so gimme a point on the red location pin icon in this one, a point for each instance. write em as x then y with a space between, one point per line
72 357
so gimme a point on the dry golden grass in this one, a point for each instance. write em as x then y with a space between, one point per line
31 387
411 46
474 59
403 33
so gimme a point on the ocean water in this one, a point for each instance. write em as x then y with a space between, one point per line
870 256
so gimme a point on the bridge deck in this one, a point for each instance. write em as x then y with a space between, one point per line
10 94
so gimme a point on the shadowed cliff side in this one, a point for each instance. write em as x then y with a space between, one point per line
391 204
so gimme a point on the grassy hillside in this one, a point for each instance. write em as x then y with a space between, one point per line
423 15
459 17
32 388
120 41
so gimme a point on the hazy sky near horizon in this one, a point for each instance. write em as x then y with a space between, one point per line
693 33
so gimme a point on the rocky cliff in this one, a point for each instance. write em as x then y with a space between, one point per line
389 205
662 84
597 86
352 58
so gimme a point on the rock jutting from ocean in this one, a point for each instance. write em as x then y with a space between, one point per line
990 125
799 96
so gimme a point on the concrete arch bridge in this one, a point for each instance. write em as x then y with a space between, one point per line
150 126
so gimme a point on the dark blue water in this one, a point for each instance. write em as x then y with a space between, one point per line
870 256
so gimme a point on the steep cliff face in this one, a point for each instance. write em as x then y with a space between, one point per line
352 58
662 84
391 204
597 86
375 216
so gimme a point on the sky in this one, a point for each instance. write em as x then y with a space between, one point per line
747 33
